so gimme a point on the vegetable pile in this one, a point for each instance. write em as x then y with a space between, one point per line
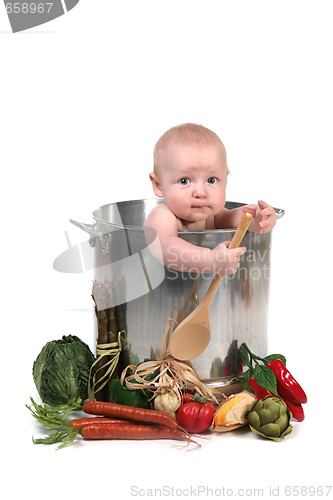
151 400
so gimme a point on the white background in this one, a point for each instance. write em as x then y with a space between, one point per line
83 101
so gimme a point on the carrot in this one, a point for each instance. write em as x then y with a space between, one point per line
130 413
131 431
78 423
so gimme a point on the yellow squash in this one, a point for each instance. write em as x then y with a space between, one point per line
230 413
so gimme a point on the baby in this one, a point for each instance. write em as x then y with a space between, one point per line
190 174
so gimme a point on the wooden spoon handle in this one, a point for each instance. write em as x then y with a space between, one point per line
234 243
241 230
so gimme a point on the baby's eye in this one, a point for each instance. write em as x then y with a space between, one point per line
184 180
212 180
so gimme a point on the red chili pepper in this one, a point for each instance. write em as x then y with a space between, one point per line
287 386
296 409
193 415
259 392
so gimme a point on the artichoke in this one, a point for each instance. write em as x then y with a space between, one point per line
270 418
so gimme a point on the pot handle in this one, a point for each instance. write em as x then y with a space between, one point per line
88 228
96 231
279 212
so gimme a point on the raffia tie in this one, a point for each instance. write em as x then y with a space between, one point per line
173 374
112 350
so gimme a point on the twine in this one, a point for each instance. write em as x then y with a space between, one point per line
113 350
173 375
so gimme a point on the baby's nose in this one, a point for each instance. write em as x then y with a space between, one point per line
199 191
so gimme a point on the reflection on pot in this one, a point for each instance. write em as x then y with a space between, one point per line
231 365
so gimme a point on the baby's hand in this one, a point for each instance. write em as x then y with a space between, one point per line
226 261
264 217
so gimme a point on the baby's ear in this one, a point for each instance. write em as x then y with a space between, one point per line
156 184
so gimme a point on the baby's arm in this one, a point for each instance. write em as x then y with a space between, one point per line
264 217
176 253
181 255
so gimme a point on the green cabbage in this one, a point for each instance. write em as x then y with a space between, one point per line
61 370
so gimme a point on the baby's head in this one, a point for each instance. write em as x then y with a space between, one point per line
187 134
190 170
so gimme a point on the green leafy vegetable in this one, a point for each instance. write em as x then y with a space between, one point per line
61 370
263 375
56 418
64 436
265 378
272 357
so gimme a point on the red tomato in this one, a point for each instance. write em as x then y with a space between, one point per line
195 416
187 398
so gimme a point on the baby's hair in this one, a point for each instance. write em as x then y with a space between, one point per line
187 133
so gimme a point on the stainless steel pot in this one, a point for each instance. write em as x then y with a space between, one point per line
146 294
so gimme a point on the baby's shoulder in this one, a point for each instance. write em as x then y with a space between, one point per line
160 209
161 213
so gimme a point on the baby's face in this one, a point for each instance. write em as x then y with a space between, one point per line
193 180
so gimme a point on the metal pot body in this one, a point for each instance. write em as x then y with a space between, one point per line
146 293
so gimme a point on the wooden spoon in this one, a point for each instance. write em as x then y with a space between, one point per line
191 337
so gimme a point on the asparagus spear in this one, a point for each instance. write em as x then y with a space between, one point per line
102 338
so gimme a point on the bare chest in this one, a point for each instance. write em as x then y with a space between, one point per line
198 225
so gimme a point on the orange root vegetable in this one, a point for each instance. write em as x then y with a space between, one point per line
78 423
132 431
143 415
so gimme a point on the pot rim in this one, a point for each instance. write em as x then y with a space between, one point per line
98 218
